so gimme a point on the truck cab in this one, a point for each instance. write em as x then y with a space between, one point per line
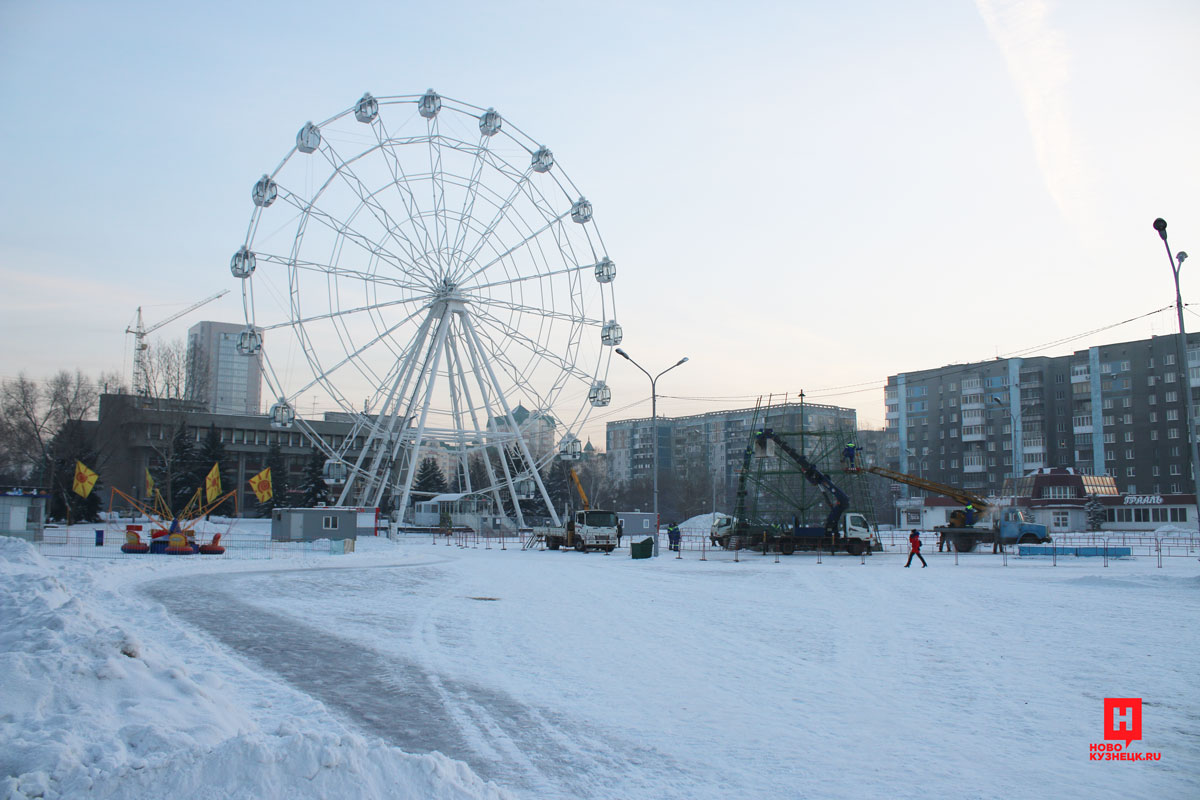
1016 526
592 529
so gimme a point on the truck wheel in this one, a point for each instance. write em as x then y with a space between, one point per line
581 546
1028 538
787 545
964 542
610 548
735 543
854 547
551 543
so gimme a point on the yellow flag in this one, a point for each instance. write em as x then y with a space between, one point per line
149 484
261 484
85 479
212 484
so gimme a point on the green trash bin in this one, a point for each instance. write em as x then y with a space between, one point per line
642 549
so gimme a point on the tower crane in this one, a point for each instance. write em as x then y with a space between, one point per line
140 332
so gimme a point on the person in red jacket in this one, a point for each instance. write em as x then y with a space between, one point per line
914 549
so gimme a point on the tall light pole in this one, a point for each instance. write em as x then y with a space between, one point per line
1012 429
653 426
1160 225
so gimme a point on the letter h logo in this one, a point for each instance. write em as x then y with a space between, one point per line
1123 718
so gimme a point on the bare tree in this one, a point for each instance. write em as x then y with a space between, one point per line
32 414
166 370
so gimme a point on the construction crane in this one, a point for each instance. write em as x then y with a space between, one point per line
140 332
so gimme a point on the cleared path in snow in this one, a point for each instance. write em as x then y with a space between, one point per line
539 751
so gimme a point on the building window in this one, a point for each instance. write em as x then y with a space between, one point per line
1154 470
1172 415
329 523
1171 397
1110 438
1168 359
1129 473
1129 453
1060 520
1154 416
1178 514
1172 433
1174 470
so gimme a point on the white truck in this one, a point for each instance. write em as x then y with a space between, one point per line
590 529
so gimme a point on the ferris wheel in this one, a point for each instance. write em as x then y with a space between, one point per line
427 270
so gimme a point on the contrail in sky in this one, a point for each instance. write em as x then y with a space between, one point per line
1038 64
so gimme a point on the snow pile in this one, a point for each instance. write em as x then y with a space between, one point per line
92 705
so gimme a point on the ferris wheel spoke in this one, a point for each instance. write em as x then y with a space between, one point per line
400 179
472 192
497 218
390 226
341 272
544 313
356 354
437 186
342 229
523 243
345 312
520 337
533 276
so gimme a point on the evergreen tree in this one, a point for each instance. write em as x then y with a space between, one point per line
479 476
68 446
212 451
1095 514
314 491
178 475
281 487
430 479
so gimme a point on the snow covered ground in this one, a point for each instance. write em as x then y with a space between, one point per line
433 671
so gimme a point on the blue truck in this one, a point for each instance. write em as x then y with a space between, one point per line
979 520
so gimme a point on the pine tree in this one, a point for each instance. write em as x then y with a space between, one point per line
314 491
1096 516
68 446
281 487
212 451
430 479
179 473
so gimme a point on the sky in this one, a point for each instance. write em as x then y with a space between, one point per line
799 195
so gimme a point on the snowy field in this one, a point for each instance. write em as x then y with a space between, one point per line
433 671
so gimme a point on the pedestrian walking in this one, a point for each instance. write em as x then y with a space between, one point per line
914 549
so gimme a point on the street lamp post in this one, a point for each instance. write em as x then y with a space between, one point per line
1160 225
653 427
1012 429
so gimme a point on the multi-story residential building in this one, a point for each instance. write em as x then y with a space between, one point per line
1113 410
709 446
220 377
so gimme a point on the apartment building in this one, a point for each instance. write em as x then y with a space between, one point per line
1116 410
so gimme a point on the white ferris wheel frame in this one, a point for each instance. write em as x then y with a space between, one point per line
459 318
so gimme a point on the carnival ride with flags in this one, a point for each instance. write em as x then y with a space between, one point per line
175 533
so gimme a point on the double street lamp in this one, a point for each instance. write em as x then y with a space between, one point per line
1181 358
653 427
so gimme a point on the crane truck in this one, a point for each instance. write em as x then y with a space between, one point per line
840 529
1008 526
586 529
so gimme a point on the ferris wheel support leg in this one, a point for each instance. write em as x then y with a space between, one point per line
537 478
399 387
431 373
466 390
